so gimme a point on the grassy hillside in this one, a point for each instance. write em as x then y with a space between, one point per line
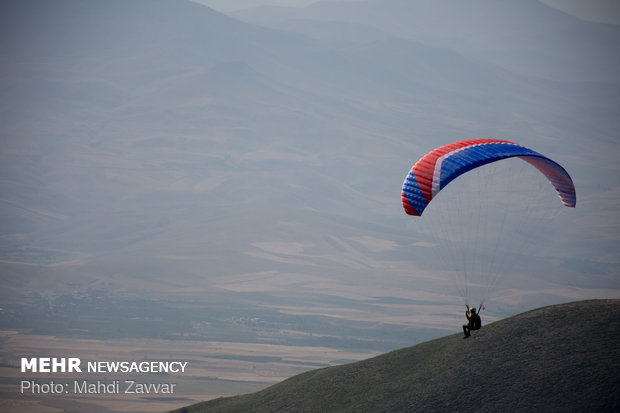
559 358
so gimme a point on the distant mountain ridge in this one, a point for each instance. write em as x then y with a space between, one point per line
555 359
527 36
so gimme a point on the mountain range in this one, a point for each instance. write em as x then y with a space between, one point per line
528 37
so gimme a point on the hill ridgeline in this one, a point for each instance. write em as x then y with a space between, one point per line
560 358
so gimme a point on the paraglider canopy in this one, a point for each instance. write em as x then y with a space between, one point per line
439 167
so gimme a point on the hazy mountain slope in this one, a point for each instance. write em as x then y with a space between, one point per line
191 106
525 36
559 358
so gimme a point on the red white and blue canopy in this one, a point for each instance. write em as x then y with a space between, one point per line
439 167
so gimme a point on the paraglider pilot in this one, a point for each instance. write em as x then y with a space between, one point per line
474 322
